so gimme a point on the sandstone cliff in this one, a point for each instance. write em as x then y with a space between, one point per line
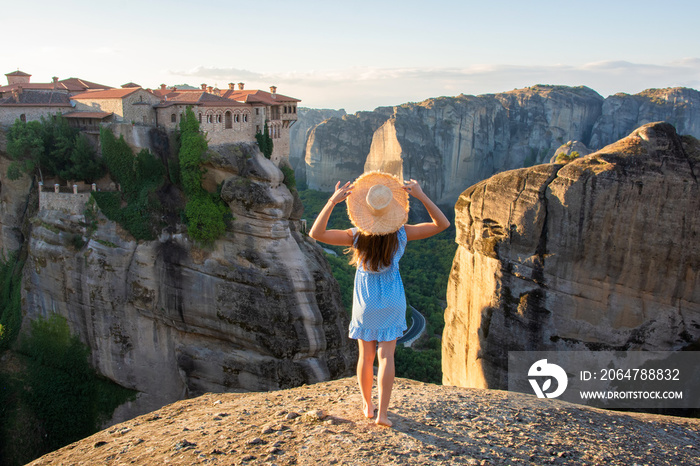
450 143
321 424
622 113
299 132
601 253
14 202
259 310
337 148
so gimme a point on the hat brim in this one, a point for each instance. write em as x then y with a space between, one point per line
361 215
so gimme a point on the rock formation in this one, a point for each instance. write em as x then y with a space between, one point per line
259 310
337 148
599 254
14 196
622 113
299 132
321 424
569 148
450 143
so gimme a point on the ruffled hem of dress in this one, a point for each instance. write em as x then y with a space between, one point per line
382 334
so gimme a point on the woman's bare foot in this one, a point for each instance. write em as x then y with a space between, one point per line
383 421
369 410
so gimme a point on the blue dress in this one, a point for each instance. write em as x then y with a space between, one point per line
379 300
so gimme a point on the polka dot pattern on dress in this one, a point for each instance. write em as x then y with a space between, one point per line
379 300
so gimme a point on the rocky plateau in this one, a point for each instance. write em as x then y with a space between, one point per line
322 424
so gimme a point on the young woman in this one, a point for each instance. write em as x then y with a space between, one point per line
378 208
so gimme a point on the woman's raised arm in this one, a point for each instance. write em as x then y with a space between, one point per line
318 230
425 230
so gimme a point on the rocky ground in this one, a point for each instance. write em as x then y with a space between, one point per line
322 424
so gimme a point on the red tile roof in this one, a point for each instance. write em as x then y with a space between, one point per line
70 84
106 94
194 97
18 73
258 97
77 84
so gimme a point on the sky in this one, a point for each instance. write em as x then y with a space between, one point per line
358 55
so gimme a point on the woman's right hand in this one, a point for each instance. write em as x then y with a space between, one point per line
341 192
413 188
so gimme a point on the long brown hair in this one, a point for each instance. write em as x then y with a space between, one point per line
374 252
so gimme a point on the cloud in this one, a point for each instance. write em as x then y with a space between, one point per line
214 73
364 88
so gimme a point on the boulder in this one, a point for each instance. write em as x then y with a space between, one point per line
599 254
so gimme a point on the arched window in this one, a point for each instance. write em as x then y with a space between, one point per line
199 117
245 118
209 118
218 118
228 124
237 118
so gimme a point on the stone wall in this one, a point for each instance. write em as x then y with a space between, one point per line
134 107
138 108
8 115
63 201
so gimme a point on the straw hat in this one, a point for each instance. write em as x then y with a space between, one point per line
378 204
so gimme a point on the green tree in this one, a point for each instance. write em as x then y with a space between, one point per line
51 145
10 299
206 214
86 166
139 177
265 141
25 146
566 158
64 392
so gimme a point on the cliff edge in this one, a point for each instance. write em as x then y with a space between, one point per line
322 424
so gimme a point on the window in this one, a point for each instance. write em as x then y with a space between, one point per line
209 118
173 118
245 118
295 109
23 118
227 118
199 117
257 111
237 118
218 118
